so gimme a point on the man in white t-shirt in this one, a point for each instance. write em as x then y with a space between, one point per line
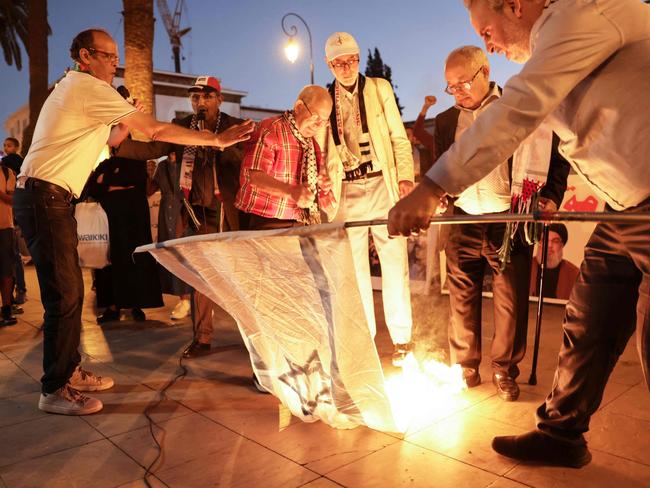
80 117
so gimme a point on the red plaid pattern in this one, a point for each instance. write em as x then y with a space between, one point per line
274 150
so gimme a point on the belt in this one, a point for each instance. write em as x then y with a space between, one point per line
365 176
46 186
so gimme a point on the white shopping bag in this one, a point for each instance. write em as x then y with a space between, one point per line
92 234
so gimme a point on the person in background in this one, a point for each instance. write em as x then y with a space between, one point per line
422 135
7 247
130 281
164 177
13 160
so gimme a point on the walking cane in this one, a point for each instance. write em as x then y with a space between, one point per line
538 323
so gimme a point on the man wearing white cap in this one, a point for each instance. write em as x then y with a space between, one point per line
370 163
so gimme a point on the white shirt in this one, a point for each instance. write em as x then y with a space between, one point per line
590 71
491 194
349 111
72 130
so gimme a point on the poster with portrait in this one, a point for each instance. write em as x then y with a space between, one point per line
566 247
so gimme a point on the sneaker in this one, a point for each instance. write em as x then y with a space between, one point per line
68 401
7 316
181 310
83 380
21 297
399 354
8 321
16 310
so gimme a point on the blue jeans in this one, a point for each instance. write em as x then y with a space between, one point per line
46 218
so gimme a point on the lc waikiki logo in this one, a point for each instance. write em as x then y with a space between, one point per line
92 237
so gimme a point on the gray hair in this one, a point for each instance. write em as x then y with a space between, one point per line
496 5
473 56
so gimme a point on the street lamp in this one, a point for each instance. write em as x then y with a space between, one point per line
292 49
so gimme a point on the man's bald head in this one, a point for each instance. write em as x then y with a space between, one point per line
86 39
312 109
314 95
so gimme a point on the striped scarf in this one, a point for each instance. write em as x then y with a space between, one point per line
308 172
530 164
189 156
352 165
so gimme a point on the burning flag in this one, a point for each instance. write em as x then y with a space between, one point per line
294 296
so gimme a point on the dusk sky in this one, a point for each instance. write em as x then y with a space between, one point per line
242 44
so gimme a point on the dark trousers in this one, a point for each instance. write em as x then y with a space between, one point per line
18 266
470 249
46 218
609 301
201 306
257 222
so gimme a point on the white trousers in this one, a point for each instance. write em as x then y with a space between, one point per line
368 199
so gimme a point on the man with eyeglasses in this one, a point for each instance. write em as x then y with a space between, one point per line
471 248
209 180
283 183
370 162
585 71
81 115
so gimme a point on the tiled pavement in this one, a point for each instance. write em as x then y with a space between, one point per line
217 431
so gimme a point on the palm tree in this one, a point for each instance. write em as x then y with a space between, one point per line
13 26
27 20
138 47
37 50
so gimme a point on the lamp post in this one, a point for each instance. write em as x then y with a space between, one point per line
291 49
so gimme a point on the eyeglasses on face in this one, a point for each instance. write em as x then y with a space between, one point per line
340 65
318 121
463 85
111 57
196 97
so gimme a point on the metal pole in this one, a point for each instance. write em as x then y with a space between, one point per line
292 30
548 217
540 304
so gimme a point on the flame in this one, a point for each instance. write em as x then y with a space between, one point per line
423 392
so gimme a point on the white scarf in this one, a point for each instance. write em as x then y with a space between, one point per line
530 164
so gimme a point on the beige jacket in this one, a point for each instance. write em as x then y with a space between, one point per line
388 137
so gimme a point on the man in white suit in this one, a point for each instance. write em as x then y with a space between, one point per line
370 163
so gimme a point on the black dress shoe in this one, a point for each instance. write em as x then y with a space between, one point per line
109 315
138 315
471 377
507 387
538 447
196 349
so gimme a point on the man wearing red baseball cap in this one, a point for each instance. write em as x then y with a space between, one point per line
208 180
